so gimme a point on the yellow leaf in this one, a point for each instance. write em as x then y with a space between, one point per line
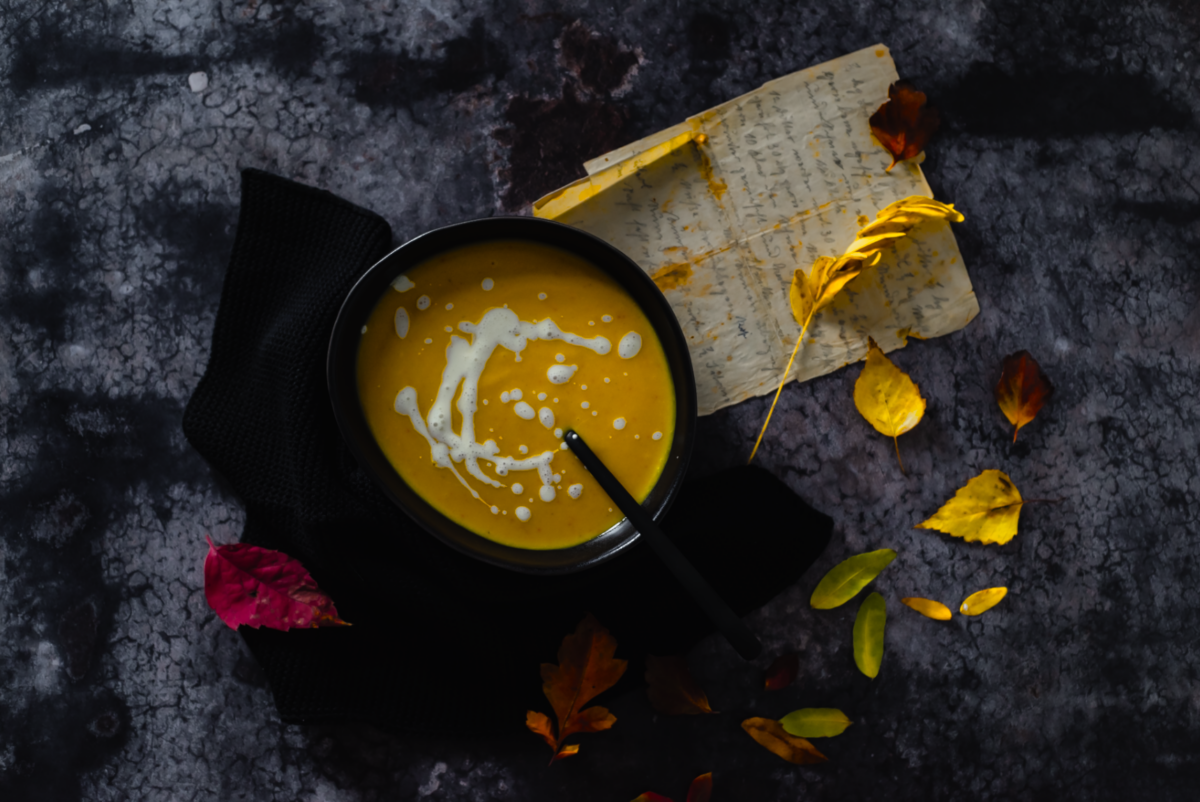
815 722
985 510
868 635
771 734
887 397
982 601
847 578
929 608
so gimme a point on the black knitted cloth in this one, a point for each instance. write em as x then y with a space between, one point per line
436 636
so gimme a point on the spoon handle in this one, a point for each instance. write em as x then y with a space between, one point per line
729 625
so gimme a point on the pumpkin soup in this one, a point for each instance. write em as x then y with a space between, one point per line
474 363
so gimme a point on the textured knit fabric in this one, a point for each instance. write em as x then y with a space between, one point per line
437 636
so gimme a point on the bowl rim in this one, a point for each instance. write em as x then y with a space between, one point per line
342 385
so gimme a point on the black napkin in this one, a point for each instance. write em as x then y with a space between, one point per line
438 639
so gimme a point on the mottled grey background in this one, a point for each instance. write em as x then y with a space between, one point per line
1071 144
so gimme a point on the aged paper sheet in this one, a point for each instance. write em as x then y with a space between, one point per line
722 208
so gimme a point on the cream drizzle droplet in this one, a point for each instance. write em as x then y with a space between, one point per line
488 284
423 302
402 283
629 346
560 374
518 489
619 424
575 491
523 410
401 323
546 416
656 436
546 493
523 513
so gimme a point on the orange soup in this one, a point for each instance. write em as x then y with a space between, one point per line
477 360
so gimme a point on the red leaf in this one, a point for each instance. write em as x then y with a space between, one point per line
701 789
782 672
1022 389
904 124
263 588
650 796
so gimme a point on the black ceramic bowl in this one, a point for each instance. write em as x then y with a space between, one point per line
341 369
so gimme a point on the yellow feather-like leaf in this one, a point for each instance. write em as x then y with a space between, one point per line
986 509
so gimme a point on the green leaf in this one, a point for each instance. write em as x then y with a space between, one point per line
815 722
868 634
847 578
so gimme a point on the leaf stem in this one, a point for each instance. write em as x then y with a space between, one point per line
896 440
782 382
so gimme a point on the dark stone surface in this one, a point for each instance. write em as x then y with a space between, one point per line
1071 143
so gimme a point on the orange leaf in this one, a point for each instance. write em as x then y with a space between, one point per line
771 734
586 667
539 724
701 789
782 672
904 123
593 719
566 751
1022 389
672 689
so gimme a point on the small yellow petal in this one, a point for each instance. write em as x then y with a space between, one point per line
928 608
982 601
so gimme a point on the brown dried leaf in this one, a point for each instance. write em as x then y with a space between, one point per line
672 689
771 734
1022 389
904 124
586 667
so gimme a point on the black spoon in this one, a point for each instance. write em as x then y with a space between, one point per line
729 625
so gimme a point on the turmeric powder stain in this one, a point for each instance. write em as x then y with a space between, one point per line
673 276
715 185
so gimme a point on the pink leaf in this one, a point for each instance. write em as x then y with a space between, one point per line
263 588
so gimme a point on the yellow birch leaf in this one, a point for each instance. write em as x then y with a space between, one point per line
982 601
812 292
887 397
847 578
815 722
868 635
928 608
774 737
985 510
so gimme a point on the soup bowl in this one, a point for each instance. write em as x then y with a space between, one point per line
342 369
